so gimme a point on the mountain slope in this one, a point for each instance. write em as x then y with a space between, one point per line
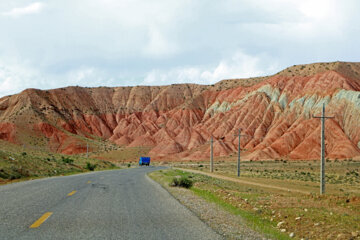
177 121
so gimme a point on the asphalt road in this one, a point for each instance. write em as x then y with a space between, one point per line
118 204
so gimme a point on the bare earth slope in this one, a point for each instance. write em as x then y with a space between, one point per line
177 121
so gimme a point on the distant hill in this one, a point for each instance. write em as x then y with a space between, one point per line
177 121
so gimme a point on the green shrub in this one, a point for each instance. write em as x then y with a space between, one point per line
182 182
129 165
4 174
67 160
90 166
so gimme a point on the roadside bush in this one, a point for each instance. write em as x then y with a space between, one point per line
129 165
3 174
182 182
12 173
90 166
67 160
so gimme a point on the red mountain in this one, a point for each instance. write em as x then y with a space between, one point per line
177 121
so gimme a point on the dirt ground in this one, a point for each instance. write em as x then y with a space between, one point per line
286 193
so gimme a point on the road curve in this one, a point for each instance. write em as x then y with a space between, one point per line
117 204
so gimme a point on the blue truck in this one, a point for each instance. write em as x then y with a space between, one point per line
144 161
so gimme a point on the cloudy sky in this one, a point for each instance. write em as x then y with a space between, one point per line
57 43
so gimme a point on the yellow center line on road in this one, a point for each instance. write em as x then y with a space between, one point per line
89 182
41 220
72 193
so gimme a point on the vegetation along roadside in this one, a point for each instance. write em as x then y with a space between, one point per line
274 213
19 166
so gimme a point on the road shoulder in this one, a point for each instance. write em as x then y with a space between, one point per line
226 224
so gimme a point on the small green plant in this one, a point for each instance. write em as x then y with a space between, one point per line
129 165
67 160
182 182
90 166
23 153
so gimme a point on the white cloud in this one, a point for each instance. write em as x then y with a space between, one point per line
240 65
146 28
33 8
87 77
15 77
319 18
158 45
114 43
299 21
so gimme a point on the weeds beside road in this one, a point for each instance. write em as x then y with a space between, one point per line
342 177
18 166
278 213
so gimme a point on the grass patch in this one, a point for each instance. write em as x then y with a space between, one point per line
206 187
256 222
183 181
90 167
263 208
16 165
67 160
301 175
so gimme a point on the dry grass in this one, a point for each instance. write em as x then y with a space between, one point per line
17 163
335 215
123 155
342 177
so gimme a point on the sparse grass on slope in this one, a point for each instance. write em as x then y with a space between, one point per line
19 165
124 154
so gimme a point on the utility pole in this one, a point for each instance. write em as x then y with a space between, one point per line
211 155
212 152
239 150
322 153
238 163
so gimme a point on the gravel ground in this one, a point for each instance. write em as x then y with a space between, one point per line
223 222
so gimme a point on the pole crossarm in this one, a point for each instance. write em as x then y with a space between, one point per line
322 151
322 117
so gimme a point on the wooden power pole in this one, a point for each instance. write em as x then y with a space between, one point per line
322 153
